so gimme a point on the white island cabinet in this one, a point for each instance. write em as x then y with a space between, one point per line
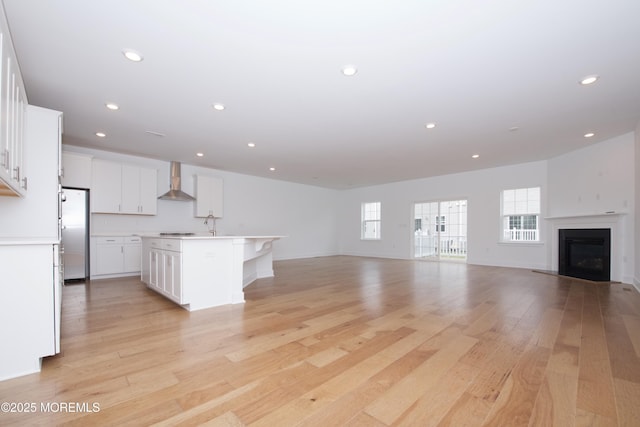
199 272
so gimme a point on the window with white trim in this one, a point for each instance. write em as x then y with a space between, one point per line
521 215
370 227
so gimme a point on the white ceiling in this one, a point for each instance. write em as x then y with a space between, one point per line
475 68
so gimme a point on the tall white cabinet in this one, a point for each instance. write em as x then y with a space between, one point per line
31 285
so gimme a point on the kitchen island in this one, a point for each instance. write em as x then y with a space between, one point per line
203 271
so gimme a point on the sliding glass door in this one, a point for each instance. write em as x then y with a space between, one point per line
440 230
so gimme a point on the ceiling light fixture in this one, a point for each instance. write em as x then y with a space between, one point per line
272 169
101 134
589 134
589 80
200 154
475 156
349 70
251 145
218 107
430 125
132 55
111 106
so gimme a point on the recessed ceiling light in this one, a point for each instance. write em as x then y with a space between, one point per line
514 129
589 134
430 125
589 80
132 55
200 154
251 144
218 107
475 156
349 70
272 169
112 106
101 134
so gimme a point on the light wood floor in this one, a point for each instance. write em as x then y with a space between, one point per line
349 341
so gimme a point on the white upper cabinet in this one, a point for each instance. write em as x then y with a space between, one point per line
209 196
76 170
139 186
106 186
13 104
123 189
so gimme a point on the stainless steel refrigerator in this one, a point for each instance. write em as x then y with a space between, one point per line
75 233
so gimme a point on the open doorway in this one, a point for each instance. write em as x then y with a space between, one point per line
440 230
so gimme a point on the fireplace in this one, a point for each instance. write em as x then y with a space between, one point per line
585 253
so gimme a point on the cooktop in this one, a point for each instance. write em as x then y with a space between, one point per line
177 234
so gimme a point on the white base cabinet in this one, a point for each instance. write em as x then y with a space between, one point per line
28 307
116 256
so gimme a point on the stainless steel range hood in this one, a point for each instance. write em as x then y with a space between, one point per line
175 192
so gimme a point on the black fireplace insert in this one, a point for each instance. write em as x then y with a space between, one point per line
585 253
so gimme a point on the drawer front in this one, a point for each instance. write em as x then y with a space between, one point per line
155 243
133 239
172 245
110 240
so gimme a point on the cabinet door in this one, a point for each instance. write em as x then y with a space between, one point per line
148 198
172 276
27 309
106 186
139 186
130 191
177 278
155 268
132 254
12 109
109 259
168 273
76 170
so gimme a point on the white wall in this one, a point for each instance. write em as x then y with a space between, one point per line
636 280
482 190
252 205
594 179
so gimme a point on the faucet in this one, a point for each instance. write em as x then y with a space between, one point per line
212 227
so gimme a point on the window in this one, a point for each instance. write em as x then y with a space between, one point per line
370 221
521 215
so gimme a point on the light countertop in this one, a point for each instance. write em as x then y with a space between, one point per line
205 236
18 241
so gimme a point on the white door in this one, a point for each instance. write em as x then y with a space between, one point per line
440 230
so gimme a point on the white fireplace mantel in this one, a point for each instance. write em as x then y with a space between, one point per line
612 220
591 215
